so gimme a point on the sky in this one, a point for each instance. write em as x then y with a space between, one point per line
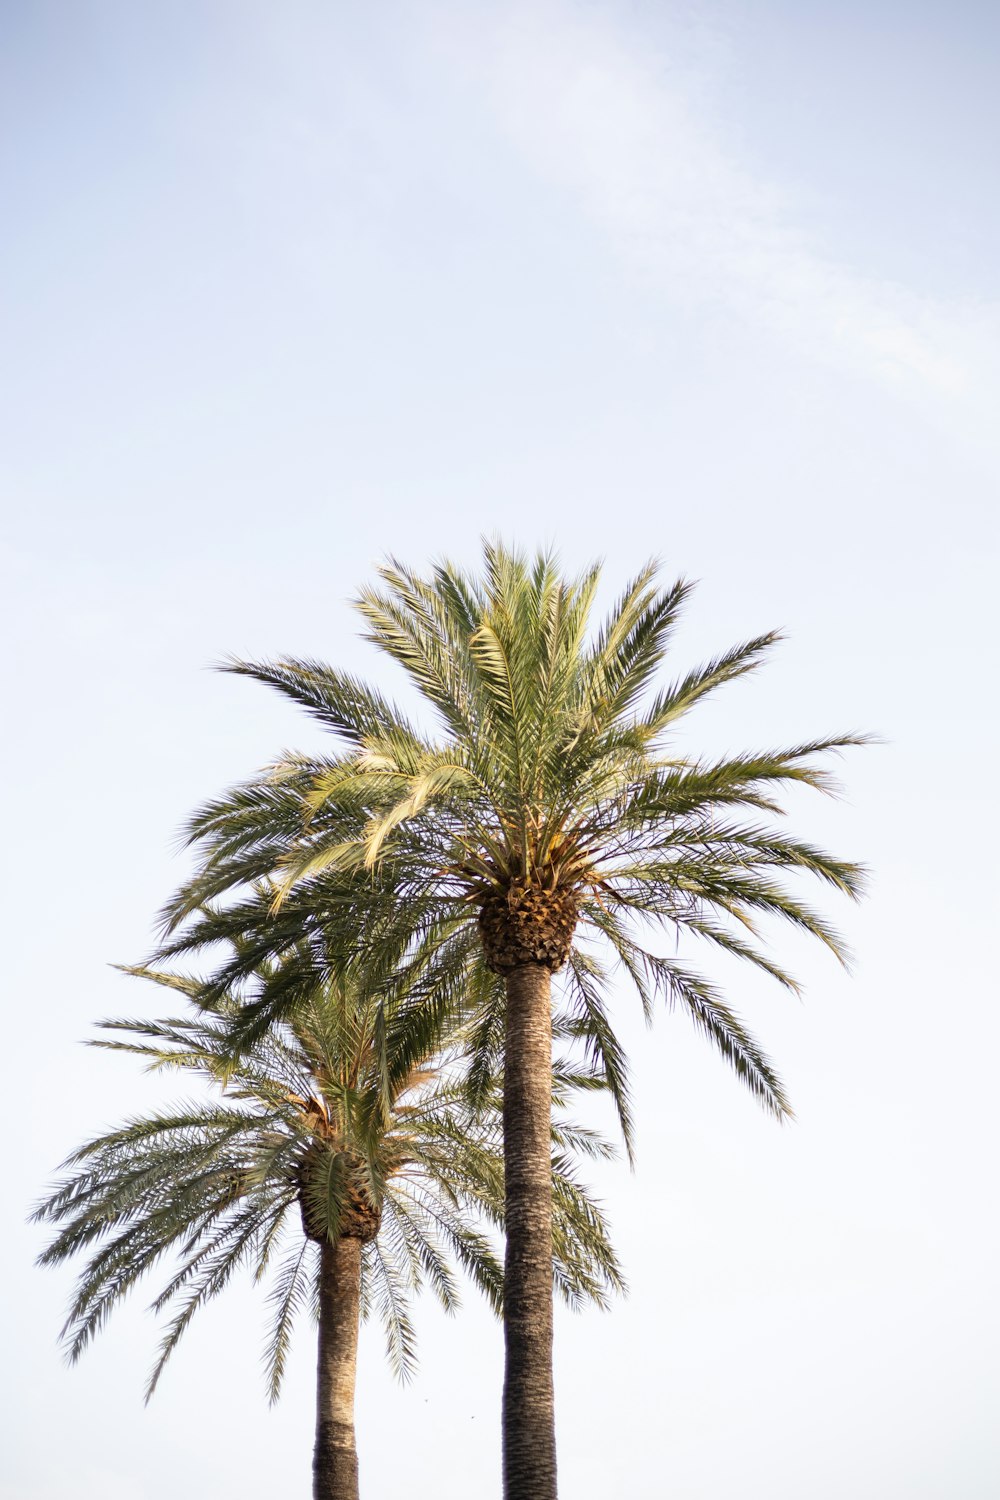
284 289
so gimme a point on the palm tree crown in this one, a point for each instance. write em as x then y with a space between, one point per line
551 808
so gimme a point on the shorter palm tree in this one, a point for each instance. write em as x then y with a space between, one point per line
339 1163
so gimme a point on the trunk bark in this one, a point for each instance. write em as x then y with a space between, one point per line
335 1457
529 1438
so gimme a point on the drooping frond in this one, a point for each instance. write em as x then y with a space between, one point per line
292 1290
587 992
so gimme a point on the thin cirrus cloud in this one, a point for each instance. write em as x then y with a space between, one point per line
625 130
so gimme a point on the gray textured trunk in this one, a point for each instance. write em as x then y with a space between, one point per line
335 1458
529 1438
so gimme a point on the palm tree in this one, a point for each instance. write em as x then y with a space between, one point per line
342 1161
548 820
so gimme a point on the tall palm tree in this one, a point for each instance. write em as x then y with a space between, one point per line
342 1161
548 807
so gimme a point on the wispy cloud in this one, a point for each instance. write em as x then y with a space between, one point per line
627 130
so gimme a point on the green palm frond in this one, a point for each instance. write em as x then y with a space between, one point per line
587 992
292 1290
387 1292
216 1187
344 704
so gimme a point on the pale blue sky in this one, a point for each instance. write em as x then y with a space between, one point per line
285 287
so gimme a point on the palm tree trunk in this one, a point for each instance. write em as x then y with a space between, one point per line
529 1439
335 1458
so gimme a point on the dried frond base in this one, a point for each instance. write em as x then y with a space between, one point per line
359 1218
527 925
